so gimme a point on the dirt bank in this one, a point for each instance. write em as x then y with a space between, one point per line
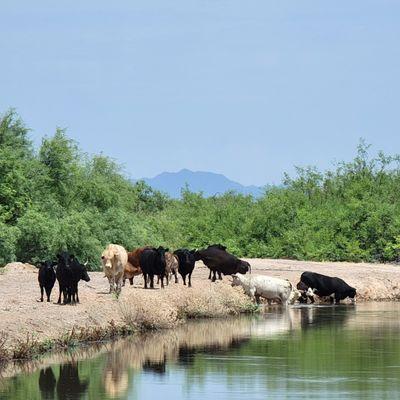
22 315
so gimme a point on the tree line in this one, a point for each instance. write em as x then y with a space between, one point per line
56 197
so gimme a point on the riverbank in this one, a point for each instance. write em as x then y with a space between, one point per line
28 327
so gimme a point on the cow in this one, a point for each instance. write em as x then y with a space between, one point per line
306 293
217 259
46 278
78 272
152 262
171 267
187 260
268 287
132 267
114 259
323 285
64 277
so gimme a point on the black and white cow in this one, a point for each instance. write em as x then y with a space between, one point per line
323 285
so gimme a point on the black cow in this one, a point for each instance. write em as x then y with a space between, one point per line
46 278
217 259
64 276
152 262
78 272
187 261
323 285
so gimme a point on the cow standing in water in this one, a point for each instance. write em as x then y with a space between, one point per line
267 287
114 259
218 260
323 285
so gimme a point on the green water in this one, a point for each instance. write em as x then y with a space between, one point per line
329 352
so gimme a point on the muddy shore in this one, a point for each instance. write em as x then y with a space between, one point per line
24 320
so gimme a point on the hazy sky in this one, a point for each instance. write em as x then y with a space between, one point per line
243 88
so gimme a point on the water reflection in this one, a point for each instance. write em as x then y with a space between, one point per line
69 385
47 383
303 350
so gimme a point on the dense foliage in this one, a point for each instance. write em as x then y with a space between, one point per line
57 198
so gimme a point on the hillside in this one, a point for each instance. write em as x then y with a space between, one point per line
198 181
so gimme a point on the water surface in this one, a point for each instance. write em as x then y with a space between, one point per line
335 352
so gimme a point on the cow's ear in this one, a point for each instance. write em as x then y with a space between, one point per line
54 263
166 250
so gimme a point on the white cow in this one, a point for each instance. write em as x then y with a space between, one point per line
114 259
268 287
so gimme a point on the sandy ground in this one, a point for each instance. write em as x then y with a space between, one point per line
22 313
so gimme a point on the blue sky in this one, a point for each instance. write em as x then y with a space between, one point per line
244 88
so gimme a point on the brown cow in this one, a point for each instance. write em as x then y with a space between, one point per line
132 267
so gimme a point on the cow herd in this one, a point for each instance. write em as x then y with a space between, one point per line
120 265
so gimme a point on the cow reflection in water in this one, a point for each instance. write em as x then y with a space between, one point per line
47 384
319 317
69 384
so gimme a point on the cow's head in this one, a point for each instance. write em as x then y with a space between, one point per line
84 275
235 280
161 253
243 267
352 292
48 265
294 296
63 259
107 258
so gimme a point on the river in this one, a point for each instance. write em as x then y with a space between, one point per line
310 352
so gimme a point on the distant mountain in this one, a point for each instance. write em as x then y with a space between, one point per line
207 182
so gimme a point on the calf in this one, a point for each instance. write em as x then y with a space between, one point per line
46 278
78 272
268 287
171 267
187 260
132 267
323 285
114 259
152 262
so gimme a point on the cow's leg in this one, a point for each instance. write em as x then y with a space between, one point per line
76 292
60 291
41 293
214 278
253 295
131 281
190 280
162 281
151 281
119 285
184 279
209 275
48 293
176 277
257 297
219 275
337 298
145 280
